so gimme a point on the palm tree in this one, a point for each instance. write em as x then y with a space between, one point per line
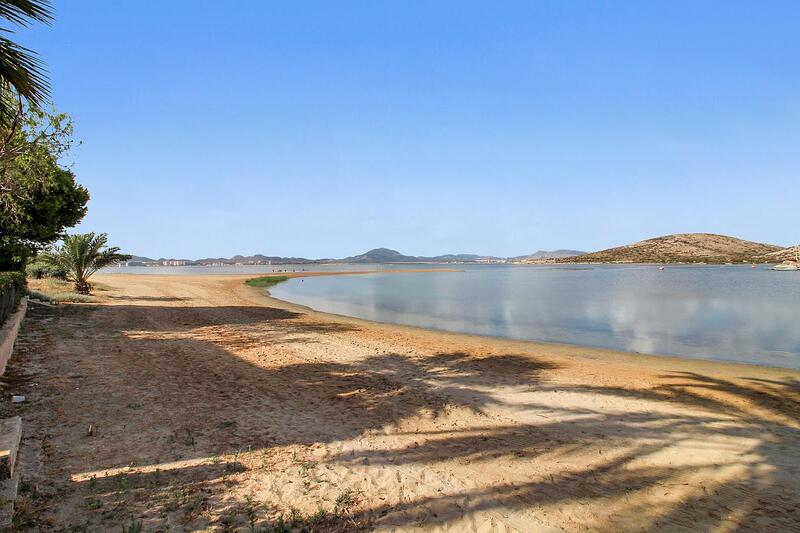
82 255
22 73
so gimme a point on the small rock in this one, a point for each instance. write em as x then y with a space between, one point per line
17 398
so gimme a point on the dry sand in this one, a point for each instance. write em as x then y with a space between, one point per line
213 407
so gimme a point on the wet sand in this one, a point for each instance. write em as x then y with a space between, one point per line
214 407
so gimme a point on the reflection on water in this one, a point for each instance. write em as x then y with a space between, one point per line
733 313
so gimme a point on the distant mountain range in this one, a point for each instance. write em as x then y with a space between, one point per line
378 255
257 259
385 255
678 248
544 254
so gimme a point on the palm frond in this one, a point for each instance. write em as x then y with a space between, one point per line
21 12
24 71
82 255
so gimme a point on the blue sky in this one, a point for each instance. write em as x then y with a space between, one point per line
324 129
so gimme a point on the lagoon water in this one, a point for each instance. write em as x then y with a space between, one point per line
731 313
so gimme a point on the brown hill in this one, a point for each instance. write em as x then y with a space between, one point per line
784 254
683 248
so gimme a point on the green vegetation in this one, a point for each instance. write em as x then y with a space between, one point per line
82 255
266 281
11 280
345 501
54 290
30 503
12 287
22 74
39 269
39 198
134 526
319 517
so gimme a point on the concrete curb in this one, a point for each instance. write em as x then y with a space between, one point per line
10 428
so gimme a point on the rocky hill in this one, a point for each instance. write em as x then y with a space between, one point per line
785 254
683 248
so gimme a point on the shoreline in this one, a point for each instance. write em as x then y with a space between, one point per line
595 351
563 352
463 263
252 408
590 352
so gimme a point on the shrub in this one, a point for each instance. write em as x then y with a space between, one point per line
40 269
11 279
12 287
266 281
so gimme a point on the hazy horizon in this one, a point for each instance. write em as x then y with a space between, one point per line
339 257
320 130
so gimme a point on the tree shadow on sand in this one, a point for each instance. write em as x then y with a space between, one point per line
186 396
124 298
736 413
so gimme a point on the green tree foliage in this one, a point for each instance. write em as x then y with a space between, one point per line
39 198
39 269
82 255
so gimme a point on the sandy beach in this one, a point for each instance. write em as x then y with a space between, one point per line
197 403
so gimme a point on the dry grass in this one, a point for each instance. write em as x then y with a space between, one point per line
58 291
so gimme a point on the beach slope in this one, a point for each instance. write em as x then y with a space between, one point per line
200 403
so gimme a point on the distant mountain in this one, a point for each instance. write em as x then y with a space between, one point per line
141 259
256 259
386 255
544 254
379 255
682 248
461 257
678 248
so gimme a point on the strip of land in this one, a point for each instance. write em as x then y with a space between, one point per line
199 403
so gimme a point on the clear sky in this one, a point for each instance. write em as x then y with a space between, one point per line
323 129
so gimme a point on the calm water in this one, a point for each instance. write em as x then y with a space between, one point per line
733 313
